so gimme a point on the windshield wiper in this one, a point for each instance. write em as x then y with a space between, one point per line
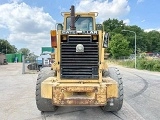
76 18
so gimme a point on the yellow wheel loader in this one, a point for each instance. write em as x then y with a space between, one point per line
79 75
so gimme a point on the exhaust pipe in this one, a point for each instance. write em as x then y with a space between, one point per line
72 26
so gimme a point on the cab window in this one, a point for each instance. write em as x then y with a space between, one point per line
81 23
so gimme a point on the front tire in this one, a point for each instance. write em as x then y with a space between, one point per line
117 102
42 103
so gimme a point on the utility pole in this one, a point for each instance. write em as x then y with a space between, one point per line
134 46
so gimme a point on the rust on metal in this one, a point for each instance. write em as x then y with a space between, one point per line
79 102
90 95
67 94
80 89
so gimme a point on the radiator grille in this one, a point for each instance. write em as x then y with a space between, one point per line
79 65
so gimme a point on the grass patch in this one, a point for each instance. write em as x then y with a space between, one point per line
143 64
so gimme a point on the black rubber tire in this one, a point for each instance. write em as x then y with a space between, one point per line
114 74
44 105
39 67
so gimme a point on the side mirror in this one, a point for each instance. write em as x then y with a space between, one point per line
99 27
106 40
59 26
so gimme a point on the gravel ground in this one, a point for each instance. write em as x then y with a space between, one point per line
17 101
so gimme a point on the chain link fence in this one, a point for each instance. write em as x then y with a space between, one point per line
30 66
34 65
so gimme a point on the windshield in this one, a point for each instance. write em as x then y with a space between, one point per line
82 23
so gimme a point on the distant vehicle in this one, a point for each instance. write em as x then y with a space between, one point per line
3 60
41 61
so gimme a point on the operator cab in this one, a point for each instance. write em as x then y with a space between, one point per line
81 23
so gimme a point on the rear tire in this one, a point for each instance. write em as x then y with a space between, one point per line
42 103
117 102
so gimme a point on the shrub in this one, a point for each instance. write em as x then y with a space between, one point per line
143 64
156 67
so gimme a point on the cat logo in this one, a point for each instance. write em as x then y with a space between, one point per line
79 48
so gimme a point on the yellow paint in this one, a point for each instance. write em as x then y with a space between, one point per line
52 55
64 37
77 81
46 88
79 92
95 37
100 56
93 93
112 91
58 55
53 32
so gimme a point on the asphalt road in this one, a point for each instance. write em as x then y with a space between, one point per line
17 98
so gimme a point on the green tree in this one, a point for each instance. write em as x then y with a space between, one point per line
119 46
6 47
153 40
24 51
146 41
31 57
113 26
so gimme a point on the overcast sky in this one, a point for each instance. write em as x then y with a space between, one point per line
27 23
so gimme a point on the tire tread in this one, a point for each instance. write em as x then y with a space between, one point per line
42 103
